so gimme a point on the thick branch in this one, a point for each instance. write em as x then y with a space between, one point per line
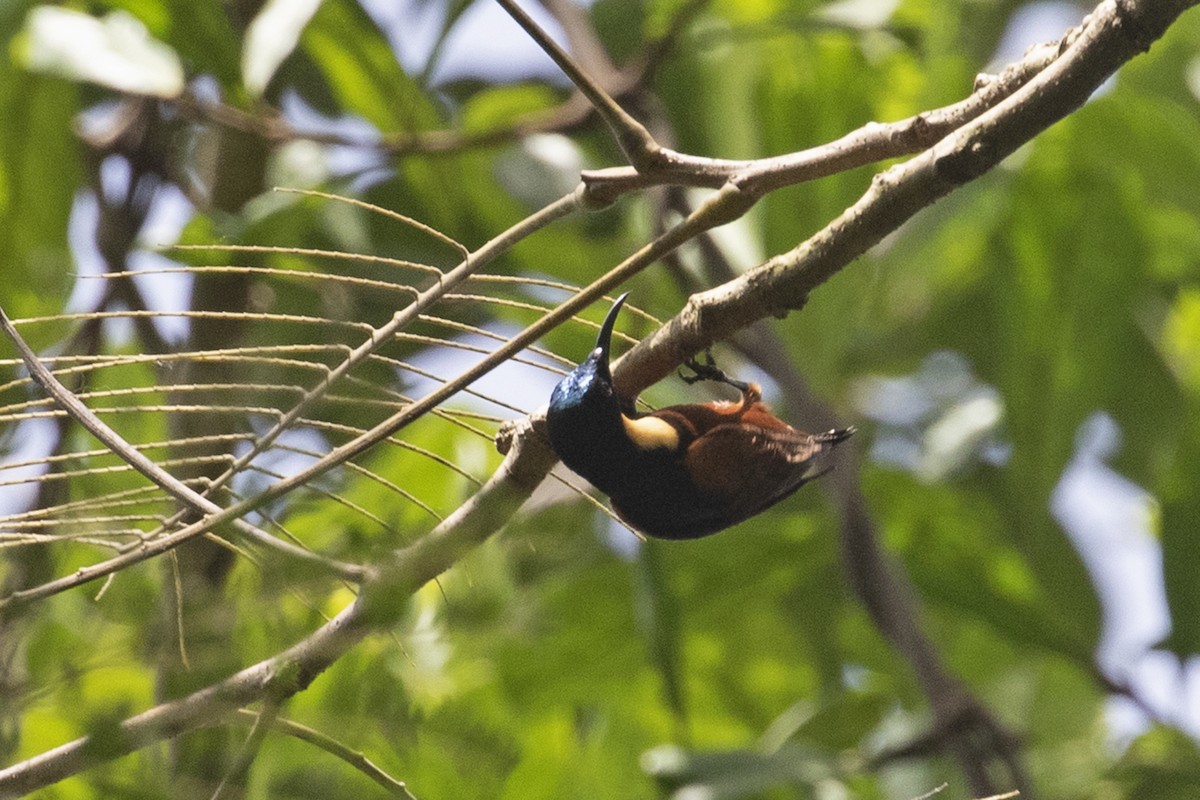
1118 30
379 607
1114 33
962 725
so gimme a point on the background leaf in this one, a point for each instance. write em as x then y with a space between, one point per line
982 350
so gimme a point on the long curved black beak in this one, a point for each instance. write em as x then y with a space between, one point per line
604 339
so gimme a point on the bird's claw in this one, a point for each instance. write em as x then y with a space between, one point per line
709 371
701 372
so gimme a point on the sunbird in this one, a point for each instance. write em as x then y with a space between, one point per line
683 471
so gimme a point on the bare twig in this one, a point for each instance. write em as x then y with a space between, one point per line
428 230
354 758
296 667
880 583
347 451
1114 33
634 140
1117 31
272 126
722 207
933 792
872 143
236 772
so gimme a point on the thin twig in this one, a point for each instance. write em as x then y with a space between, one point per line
869 144
236 773
428 230
180 631
631 136
1119 31
881 584
303 662
349 450
354 758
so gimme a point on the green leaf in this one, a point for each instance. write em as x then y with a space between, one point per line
500 106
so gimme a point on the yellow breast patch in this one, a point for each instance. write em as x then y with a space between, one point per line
650 433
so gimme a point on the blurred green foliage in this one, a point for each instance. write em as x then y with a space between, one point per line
559 661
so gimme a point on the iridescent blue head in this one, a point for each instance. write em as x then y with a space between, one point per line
584 417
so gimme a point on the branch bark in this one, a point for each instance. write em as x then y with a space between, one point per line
1115 32
378 607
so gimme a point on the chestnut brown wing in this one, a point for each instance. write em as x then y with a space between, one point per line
751 467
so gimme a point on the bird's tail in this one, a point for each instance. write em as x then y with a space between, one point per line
835 436
820 462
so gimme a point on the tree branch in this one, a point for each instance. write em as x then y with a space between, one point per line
1115 32
379 606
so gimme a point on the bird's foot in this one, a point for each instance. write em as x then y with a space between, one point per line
709 371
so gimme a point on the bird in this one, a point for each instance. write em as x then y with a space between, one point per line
684 471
